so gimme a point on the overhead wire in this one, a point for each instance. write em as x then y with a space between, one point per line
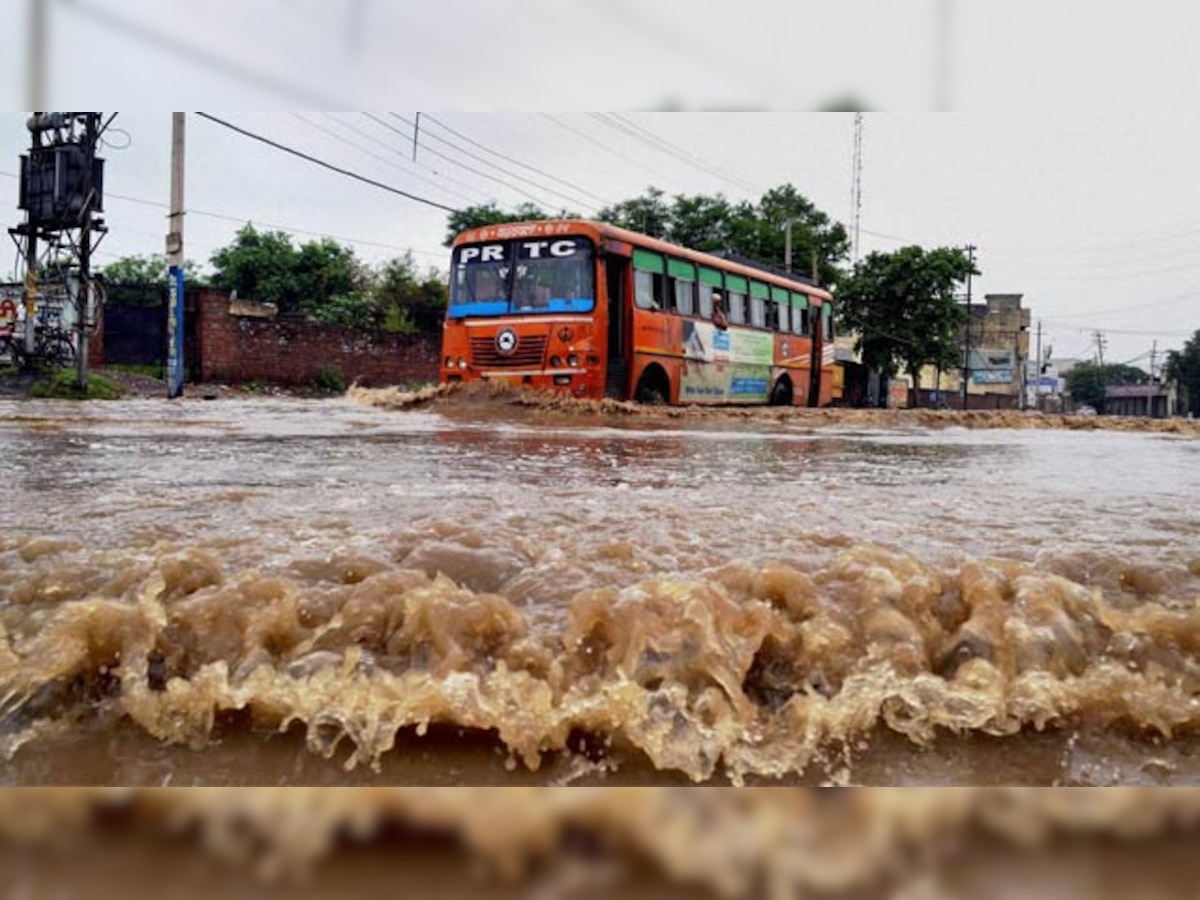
289 229
454 162
515 162
326 165
656 138
603 146
396 151
387 162
480 159
617 125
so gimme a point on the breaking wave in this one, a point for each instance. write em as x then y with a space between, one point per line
735 672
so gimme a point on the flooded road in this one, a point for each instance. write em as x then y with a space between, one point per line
330 592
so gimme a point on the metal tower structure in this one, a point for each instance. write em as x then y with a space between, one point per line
61 192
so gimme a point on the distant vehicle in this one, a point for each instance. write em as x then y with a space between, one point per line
597 311
1085 410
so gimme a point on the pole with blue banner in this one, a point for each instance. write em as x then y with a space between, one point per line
175 258
175 333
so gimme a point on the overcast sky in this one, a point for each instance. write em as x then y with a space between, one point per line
1094 218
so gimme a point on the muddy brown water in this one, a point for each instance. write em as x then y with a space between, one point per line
343 593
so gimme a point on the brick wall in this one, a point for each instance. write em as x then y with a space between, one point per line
239 348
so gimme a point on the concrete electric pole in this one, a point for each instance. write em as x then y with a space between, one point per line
175 259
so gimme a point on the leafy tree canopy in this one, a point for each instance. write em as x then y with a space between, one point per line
711 222
1184 366
904 308
325 281
145 270
1088 382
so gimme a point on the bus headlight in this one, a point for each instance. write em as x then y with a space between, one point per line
449 362
555 362
462 362
573 361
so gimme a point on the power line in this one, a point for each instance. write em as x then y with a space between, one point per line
605 147
290 229
449 178
375 156
516 162
701 163
327 165
498 168
454 162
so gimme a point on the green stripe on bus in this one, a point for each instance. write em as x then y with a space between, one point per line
710 276
800 301
648 262
677 269
779 295
735 283
758 289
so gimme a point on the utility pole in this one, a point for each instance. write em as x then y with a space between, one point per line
36 11
83 297
175 258
787 245
966 379
1037 369
31 265
856 186
1153 356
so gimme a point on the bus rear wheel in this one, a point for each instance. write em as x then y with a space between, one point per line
781 394
653 388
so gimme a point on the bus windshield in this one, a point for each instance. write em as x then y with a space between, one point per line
523 277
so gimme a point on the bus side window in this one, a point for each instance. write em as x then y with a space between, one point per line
649 290
758 312
785 320
737 308
828 321
799 319
705 301
685 297
772 314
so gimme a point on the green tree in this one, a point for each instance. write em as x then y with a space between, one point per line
142 280
756 230
408 300
323 272
260 266
1184 366
903 306
649 214
1088 382
146 269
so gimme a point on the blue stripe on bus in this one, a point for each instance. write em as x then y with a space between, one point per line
501 307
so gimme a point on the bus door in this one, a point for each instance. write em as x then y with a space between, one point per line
616 385
818 346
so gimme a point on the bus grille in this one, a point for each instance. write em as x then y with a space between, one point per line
529 353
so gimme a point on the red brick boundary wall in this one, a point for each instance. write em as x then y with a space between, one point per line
238 342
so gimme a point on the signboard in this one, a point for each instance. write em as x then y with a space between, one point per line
994 376
733 364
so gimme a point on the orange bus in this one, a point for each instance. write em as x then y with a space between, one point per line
598 311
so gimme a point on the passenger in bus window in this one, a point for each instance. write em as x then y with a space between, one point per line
718 311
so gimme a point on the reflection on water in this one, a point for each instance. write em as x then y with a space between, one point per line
740 598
